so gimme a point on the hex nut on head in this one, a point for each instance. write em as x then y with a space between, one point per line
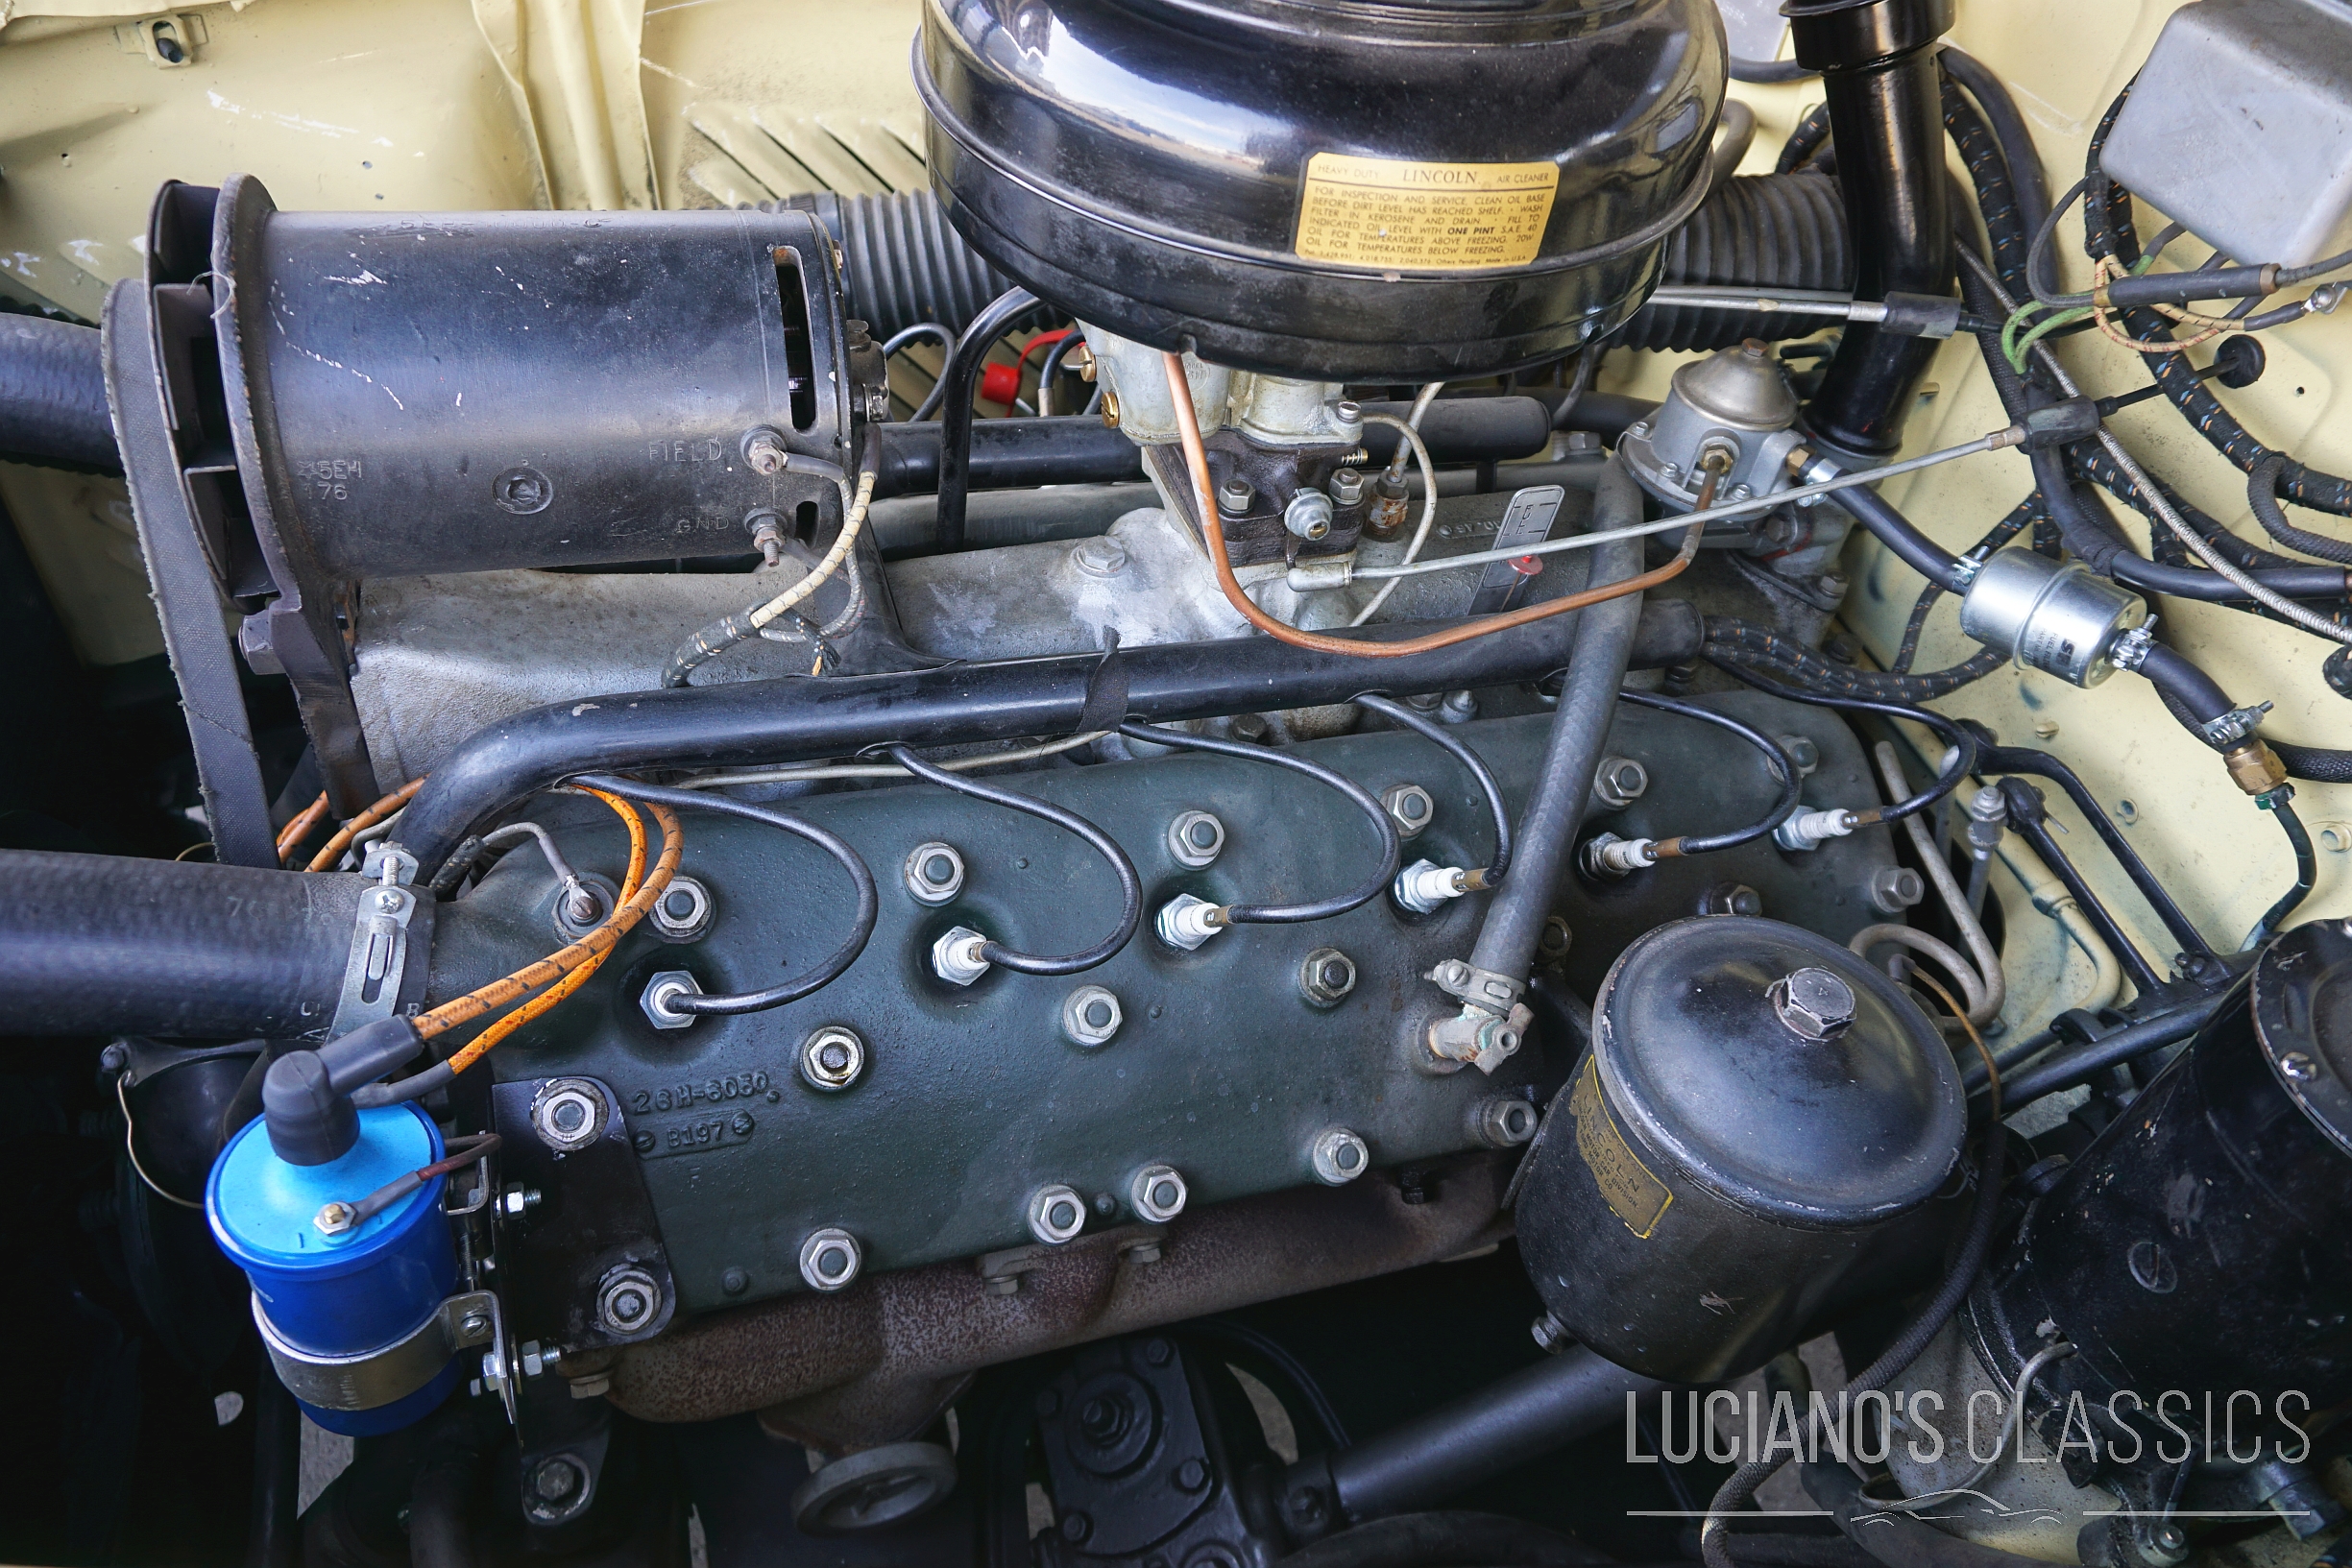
935 873
1893 889
1196 838
1813 1002
955 956
661 992
1619 781
628 1299
1090 1015
683 912
1503 1121
1411 808
568 1114
1057 1214
832 1059
1156 1194
1339 1156
1327 977
830 1259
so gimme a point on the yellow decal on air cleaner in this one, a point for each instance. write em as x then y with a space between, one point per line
1387 212
1633 1195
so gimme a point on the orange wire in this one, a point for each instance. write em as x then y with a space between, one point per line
361 823
490 998
298 830
1196 462
479 1045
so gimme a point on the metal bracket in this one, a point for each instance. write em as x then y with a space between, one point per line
1526 520
1458 977
378 960
375 1378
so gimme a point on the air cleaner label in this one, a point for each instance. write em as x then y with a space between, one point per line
1385 212
1633 1194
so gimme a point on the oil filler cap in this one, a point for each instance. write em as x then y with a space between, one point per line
1778 1070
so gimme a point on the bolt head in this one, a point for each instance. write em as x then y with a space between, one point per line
661 991
1091 1015
1156 1194
1057 1214
832 1059
1102 556
2298 1066
1813 1002
684 910
1193 1475
1894 889
1411 808
830 1259
934 874
1339 1156
1328 977
555 1480
1196 838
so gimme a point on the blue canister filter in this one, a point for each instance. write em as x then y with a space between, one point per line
366 1288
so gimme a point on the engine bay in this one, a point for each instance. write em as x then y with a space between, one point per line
1276 781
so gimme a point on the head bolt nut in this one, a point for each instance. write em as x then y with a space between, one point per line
1236 496
568 1114
1328 977
1100 556
1411 808
1196 838
955 957
1339 1156
832 1059
1090 1015
683 912
1347 487
628 1299
662 993
1813 1002
830 1259
1503 1121
1156 1194
1619 781
935 873
1057 1214
1893 889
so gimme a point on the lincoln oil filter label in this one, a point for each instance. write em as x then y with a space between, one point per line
1383 212
1634 1195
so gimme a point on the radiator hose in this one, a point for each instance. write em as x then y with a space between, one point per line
53 397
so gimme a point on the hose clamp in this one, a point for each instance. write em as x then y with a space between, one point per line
2233 728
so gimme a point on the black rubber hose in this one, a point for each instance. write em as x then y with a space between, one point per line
2190 690
1898 534
1769 73
1555 811
902 261
1131 886
53 397
2306 870
1392 851
960 384
1809 136
742 723
2262 492
2027 182
2128 1043
96 944
1397 712
728 1004
1792 778
2004 224
2313 764
1519 1417
1760 231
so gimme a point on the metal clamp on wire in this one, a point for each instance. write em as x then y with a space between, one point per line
378 963
1492 1022
379 1377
